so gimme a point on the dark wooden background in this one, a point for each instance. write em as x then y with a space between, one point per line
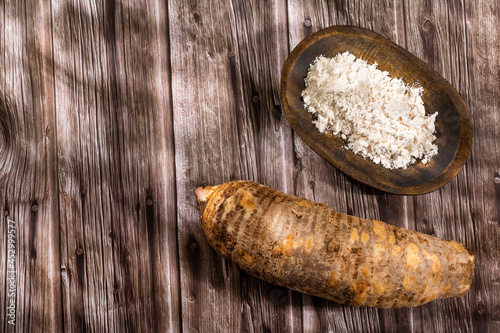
112 112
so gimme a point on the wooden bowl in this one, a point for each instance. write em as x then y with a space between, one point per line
453 129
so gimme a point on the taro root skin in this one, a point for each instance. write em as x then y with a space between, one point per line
302 245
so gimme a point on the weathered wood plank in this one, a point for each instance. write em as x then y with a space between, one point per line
319 181
202 55
6 228
29 188
396 210
228 57
261 51
115 157
481 182
435 33
387 19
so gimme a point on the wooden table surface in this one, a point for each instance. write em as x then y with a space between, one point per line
112 112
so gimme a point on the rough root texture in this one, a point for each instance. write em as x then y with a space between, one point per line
302 245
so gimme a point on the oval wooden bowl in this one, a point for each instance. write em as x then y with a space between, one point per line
453 129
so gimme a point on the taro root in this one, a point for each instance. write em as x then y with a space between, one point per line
306 246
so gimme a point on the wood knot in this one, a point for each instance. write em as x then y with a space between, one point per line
496 180
230 54
149 202
193 246
481 307
428 24
8 134
278 297
79 251
255 99
196 17
307 23
277 113
7 130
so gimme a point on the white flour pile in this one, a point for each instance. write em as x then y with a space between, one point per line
381 118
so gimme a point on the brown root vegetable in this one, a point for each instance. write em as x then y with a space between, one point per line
302 245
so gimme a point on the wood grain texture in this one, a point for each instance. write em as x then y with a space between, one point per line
340 192
29 191
119 264
239 134
440 211
481 184
112 112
